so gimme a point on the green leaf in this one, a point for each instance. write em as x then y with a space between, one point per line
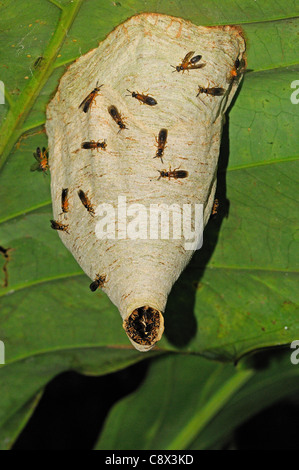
191 403
15 423
240 291
21 380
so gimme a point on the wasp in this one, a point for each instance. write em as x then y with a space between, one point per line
117 117
58 226
98 282
94 145
176 173
85 105
214 91
215 208
189 63
161 141
146 99
237 70
41 157
86 202
64 201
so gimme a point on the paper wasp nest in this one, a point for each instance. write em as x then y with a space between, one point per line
116 108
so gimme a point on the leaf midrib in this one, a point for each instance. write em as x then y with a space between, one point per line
203 415
11 128
216 403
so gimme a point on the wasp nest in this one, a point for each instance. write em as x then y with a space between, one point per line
135 128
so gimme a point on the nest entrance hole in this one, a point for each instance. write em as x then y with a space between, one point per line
142 326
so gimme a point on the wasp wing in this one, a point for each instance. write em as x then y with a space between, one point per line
181 174
195 59
35 167
187 57
199 66
86 103
37 154
94 286
218 91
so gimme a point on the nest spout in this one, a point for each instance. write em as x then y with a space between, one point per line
144 327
